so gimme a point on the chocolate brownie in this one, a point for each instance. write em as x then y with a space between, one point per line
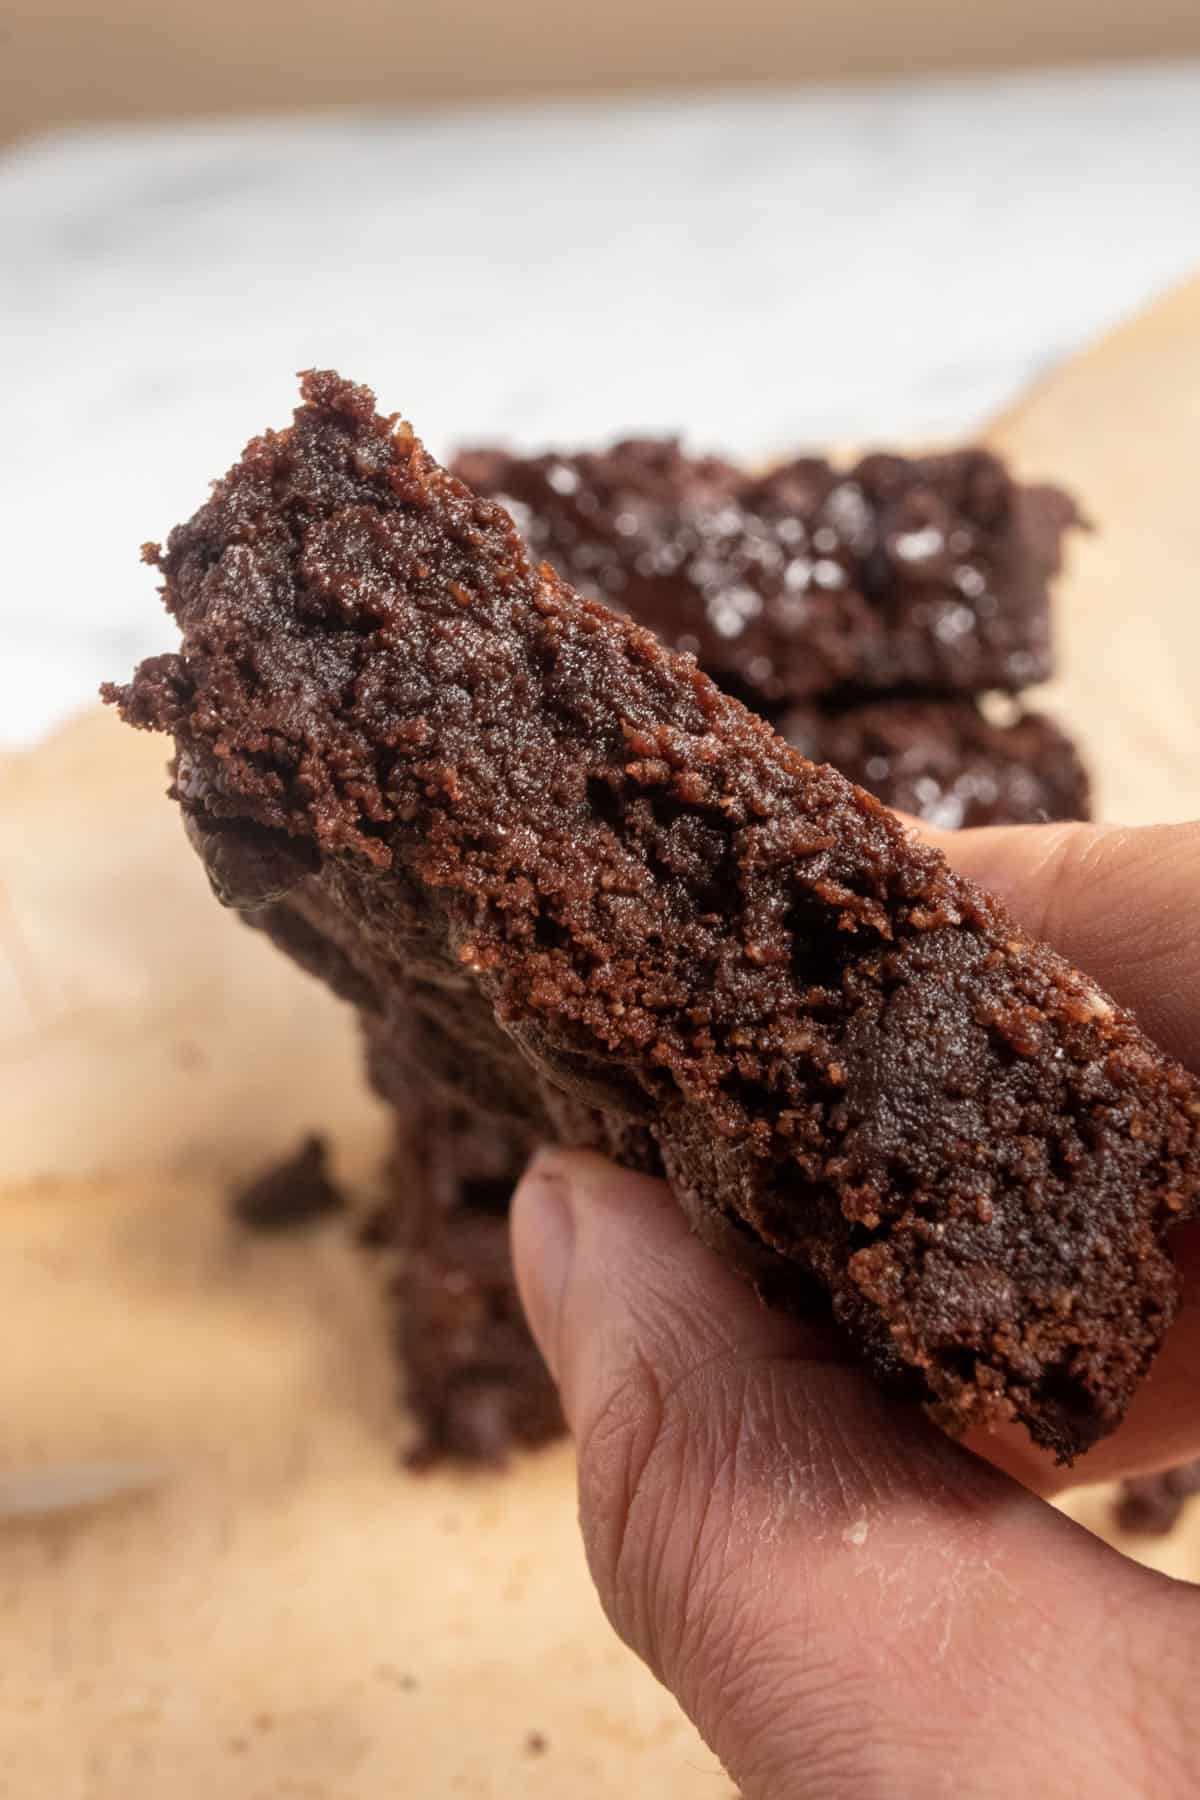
1150 1505
929 572
945 761
418 759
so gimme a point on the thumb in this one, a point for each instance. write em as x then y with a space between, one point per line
844 1602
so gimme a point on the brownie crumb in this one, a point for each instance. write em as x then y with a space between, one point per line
290 1193
1150 1505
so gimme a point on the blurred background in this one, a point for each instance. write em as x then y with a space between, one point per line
761 226
145 59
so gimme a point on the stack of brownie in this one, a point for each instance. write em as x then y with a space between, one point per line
885 619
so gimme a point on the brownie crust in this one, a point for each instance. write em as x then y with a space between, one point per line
424 764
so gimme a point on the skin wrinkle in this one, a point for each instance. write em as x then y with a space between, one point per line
878 1752
705 1603
647 1550
703 1594
631 1561
755 1678
1159 1670
766 1668
830 1746
615 1449
896 1656
628 1563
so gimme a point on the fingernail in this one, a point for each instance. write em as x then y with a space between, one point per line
543 1227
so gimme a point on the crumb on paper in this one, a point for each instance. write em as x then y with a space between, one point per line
291 1192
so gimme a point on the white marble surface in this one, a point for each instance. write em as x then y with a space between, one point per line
754 270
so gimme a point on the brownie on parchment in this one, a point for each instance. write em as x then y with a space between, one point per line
419 761
929 572
946 761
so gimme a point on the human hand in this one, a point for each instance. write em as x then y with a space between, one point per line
845 1602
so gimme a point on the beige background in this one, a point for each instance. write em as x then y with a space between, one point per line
267 1608
62 63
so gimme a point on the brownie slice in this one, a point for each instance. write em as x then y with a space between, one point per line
423 762
929 572
946 762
